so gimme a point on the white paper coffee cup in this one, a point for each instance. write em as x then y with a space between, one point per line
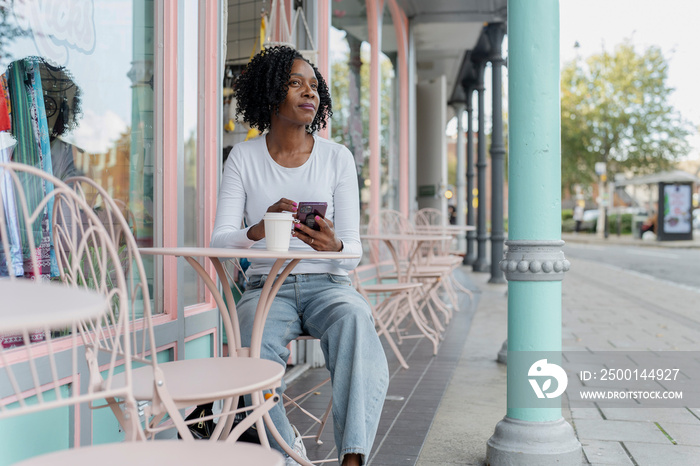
278 230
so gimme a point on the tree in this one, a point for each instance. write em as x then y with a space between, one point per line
615 109
340 92
8 31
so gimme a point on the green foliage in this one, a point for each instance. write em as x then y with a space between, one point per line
625 224
568 225
8 30
340 94
566 214
615 108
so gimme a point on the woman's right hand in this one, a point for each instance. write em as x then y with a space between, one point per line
283 205
257 231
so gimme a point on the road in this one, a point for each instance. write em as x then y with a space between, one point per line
678 266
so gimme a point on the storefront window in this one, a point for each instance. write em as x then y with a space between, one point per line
79 92
193 292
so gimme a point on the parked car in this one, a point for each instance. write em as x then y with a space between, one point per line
590 219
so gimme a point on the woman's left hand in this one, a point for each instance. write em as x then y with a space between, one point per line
321 240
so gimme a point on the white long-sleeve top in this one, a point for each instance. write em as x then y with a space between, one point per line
253 181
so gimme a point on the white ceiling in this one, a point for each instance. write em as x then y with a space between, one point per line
443 30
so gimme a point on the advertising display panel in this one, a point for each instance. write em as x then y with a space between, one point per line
675 212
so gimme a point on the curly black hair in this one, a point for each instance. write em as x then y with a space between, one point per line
263 86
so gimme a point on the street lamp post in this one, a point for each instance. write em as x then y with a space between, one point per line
602 223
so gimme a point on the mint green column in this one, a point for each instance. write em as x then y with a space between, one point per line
533 431
534 177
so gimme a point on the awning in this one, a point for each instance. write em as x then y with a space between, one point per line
674 176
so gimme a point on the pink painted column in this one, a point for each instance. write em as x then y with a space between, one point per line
374 25
280 29
400 21
208 120
322 40
168 48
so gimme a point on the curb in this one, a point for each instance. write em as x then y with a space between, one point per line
584 238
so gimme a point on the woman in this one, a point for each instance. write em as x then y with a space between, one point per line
286 98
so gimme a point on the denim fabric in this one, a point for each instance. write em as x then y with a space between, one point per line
327 307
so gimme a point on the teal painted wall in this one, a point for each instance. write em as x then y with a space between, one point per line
47 431
201 347
105 427
34 434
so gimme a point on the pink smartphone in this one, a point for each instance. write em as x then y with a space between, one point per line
307 212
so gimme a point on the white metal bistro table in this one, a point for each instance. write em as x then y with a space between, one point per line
444 229
418 238
406 275
279 271
454 230
28 304
159 452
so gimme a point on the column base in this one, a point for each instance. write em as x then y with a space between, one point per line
480 265
503 353
497 280
468 259
526 443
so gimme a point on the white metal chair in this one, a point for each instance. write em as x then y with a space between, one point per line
433 220
429 216
297 401
385 299
77 359
177 385
90 262
401 252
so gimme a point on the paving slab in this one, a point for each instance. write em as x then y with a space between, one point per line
621 431
645 454
662 415
683 434
586 413
601 452
609 464
475 399
602 310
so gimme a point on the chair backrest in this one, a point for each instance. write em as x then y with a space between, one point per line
391 222
429 216
113 215
52 367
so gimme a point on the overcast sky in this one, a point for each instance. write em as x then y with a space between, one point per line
671 25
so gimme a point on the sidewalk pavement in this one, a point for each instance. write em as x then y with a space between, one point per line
629 240
603 309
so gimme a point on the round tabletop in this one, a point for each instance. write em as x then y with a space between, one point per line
405 237
173 452
445 228
248 253
27 304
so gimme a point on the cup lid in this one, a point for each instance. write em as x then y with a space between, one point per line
278 215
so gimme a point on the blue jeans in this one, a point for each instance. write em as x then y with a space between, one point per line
327 307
